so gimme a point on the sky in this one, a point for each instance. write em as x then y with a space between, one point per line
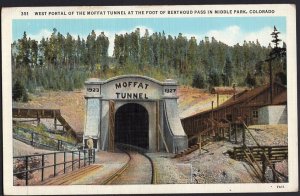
230 30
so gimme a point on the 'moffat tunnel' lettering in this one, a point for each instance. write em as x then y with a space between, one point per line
131 96
131 84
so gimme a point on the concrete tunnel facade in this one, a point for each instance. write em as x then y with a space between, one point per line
135 110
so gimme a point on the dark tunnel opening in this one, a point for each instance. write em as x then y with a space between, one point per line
132 125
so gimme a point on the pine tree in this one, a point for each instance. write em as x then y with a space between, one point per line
69 51
135 45
170 52
227 72
53 49
214 78
163 51
34 53
91 49
155 49
192 52
103 45
23 56
145 49
198 80
119 49
181 46
43 53
78 52
278 59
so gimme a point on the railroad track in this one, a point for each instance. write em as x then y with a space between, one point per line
139 168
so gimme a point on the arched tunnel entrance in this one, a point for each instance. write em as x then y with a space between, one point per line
132 125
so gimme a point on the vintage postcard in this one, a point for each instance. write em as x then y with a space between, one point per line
149 99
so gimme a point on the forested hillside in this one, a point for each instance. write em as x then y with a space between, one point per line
64 62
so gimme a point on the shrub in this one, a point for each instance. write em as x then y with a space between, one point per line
198 80
19 92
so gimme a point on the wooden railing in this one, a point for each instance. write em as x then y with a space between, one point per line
36 139
274 153
266 155
43 113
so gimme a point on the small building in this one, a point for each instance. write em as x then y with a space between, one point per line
273 114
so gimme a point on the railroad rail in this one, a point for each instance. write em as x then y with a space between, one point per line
119 172
128 149
69 178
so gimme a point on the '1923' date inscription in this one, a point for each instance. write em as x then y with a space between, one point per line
93 90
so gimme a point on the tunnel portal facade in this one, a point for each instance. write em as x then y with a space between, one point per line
135 110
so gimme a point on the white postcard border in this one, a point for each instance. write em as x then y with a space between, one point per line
289 11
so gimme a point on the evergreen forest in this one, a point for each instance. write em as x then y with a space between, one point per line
64 62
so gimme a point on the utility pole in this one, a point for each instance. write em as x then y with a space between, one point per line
275 52
271 81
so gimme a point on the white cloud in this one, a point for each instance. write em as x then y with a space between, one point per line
143 30
263 36
189 36
233 35
42 33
